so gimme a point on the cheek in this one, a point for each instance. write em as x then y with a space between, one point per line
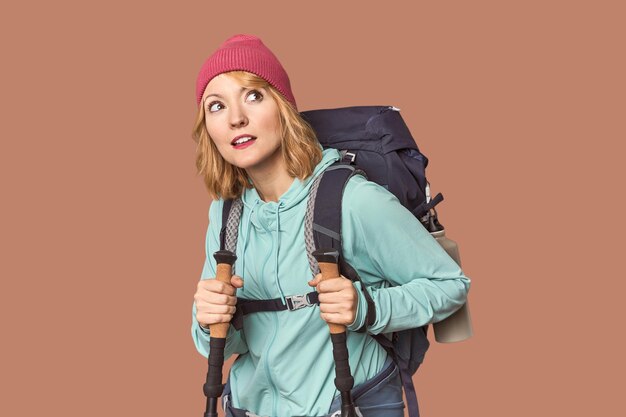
215 133
270 123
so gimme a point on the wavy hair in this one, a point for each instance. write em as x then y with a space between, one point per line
300 148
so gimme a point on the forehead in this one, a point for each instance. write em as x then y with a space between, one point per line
222 83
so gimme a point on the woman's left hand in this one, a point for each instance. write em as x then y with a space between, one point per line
338 299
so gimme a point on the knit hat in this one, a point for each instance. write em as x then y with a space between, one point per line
245 53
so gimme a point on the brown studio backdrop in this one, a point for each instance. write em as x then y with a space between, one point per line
519 107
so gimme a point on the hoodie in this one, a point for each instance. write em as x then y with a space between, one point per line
285 365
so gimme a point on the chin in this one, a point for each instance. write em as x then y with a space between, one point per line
246 163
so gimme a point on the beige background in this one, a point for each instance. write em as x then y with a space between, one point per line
519 105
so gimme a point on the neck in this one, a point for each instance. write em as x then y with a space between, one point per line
271 183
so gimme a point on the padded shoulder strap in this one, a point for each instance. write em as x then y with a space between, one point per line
225 210
231 214
323 223
323 213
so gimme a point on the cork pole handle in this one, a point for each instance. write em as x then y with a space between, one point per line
225 260
331 270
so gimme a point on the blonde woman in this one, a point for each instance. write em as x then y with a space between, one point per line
253 145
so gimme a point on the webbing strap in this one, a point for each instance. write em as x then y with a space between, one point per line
405 374
425 207
294 302
409 389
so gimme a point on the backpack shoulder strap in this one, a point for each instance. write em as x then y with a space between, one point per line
231 215
322 226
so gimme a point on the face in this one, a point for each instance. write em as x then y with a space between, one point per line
243 123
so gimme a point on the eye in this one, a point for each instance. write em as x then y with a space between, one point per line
255 94
213 106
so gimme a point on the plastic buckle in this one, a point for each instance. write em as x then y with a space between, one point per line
351 155
296 302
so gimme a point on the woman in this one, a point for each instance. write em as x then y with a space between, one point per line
253 145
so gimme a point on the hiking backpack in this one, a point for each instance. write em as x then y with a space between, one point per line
374 142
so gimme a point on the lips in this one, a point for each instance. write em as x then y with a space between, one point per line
242 139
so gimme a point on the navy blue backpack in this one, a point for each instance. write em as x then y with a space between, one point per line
375 142
376 139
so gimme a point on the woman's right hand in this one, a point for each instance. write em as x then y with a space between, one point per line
215 300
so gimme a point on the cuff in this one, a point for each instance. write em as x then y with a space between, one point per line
361 309
205 331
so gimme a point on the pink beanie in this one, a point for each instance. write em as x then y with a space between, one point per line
245 53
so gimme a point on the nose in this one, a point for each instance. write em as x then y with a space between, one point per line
237 116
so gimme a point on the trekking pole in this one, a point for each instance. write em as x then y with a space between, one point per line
213 387
328 260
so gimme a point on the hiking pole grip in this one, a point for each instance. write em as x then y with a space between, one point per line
213 387
225 260
328 261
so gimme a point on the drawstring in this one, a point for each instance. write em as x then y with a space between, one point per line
280 290
275 246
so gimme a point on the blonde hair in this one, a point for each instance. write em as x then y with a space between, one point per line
300 148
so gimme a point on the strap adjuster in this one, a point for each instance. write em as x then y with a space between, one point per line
296 302
347 156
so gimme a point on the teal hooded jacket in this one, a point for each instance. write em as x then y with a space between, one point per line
285 365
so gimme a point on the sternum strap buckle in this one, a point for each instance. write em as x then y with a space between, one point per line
296 302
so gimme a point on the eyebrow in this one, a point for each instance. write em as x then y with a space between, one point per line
217 95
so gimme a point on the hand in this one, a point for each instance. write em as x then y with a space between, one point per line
215 300
338 299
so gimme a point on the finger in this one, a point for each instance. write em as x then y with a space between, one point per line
333 308
209 308
215 298
335 318
334 285
217 309
347 295
315 280
213 285
236 281
227 288
208 319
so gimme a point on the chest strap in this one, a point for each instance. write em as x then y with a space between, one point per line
294 302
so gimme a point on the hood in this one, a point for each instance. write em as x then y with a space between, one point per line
298 191
266 217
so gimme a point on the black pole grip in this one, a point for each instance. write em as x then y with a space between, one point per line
213 386
343 380
343 377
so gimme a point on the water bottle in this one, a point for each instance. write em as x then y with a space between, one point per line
458 326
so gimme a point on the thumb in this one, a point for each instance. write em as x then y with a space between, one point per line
236 281
316 280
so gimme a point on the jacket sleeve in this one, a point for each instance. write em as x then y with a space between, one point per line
411 278
235 340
